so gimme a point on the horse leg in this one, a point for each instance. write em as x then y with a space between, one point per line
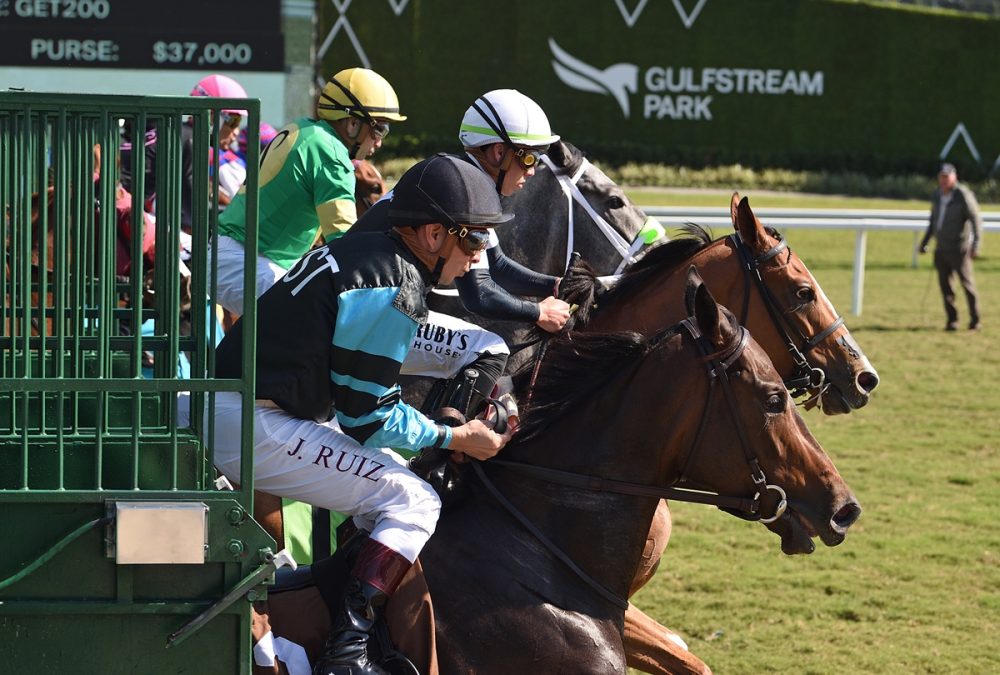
267 512
651 648
260 628
300 619
656 541
410 617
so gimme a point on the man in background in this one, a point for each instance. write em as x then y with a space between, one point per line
957 227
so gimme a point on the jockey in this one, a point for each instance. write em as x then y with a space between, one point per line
307 181
331 337
267 134
504 133
218 86
232 168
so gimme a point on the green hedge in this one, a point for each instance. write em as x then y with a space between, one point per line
896 83
898 186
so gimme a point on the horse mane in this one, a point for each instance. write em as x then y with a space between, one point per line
667 255
577 365
574 367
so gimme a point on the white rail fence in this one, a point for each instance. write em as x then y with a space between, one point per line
861 222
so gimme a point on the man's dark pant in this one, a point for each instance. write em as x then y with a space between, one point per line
960 263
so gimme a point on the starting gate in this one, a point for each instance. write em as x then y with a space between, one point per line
121 553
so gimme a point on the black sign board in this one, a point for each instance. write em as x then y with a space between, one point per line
183 34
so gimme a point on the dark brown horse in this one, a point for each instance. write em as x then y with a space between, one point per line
530 574
754 272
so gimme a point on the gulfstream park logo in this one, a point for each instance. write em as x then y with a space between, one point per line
679 92
616 81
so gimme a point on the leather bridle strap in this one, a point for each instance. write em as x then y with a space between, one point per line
573 193
717 364
805 377
598 484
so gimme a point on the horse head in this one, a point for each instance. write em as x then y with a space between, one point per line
570 205
755 273
818 346
801 494
697 405
369 186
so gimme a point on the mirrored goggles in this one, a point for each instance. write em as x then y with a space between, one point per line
471 241
232 120
527 157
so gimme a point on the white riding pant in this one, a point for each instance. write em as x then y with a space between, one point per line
321 465
230 274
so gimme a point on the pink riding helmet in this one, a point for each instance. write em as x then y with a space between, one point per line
220 86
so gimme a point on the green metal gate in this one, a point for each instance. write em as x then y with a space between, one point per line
115 534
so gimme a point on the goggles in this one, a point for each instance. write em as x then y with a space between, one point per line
379 129
527 158
232 120
471 241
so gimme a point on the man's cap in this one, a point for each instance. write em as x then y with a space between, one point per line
948 168
445 189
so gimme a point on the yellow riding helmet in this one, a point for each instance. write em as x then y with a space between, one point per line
358 92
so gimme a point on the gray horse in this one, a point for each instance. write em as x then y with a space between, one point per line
569 205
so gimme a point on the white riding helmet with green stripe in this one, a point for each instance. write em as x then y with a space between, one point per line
505 116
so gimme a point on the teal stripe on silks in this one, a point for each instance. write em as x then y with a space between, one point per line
367 322
402 427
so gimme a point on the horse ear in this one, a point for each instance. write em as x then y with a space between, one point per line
702 306
733 206
746 223
561 153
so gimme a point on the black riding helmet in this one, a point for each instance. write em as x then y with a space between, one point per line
445 189
448 190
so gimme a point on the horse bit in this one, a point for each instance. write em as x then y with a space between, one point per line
717 365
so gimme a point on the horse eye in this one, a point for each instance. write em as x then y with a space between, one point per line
805 294
775 403
615 202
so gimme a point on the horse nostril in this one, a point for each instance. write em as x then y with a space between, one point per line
867 381
846 516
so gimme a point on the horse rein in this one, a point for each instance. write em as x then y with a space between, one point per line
572 192
805 377
717 365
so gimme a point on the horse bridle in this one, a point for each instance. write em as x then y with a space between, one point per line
568 185
805 377
717 365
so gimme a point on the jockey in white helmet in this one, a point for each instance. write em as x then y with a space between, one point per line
502 126
504 133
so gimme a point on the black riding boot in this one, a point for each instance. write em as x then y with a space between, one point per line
375 576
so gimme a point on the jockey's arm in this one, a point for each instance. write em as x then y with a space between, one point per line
335 218
482 296
517 278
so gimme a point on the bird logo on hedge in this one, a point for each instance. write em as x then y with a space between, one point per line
616 81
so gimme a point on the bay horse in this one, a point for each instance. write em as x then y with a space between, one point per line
570 204
531 572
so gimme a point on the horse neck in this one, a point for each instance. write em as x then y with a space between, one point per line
659 302
613 436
